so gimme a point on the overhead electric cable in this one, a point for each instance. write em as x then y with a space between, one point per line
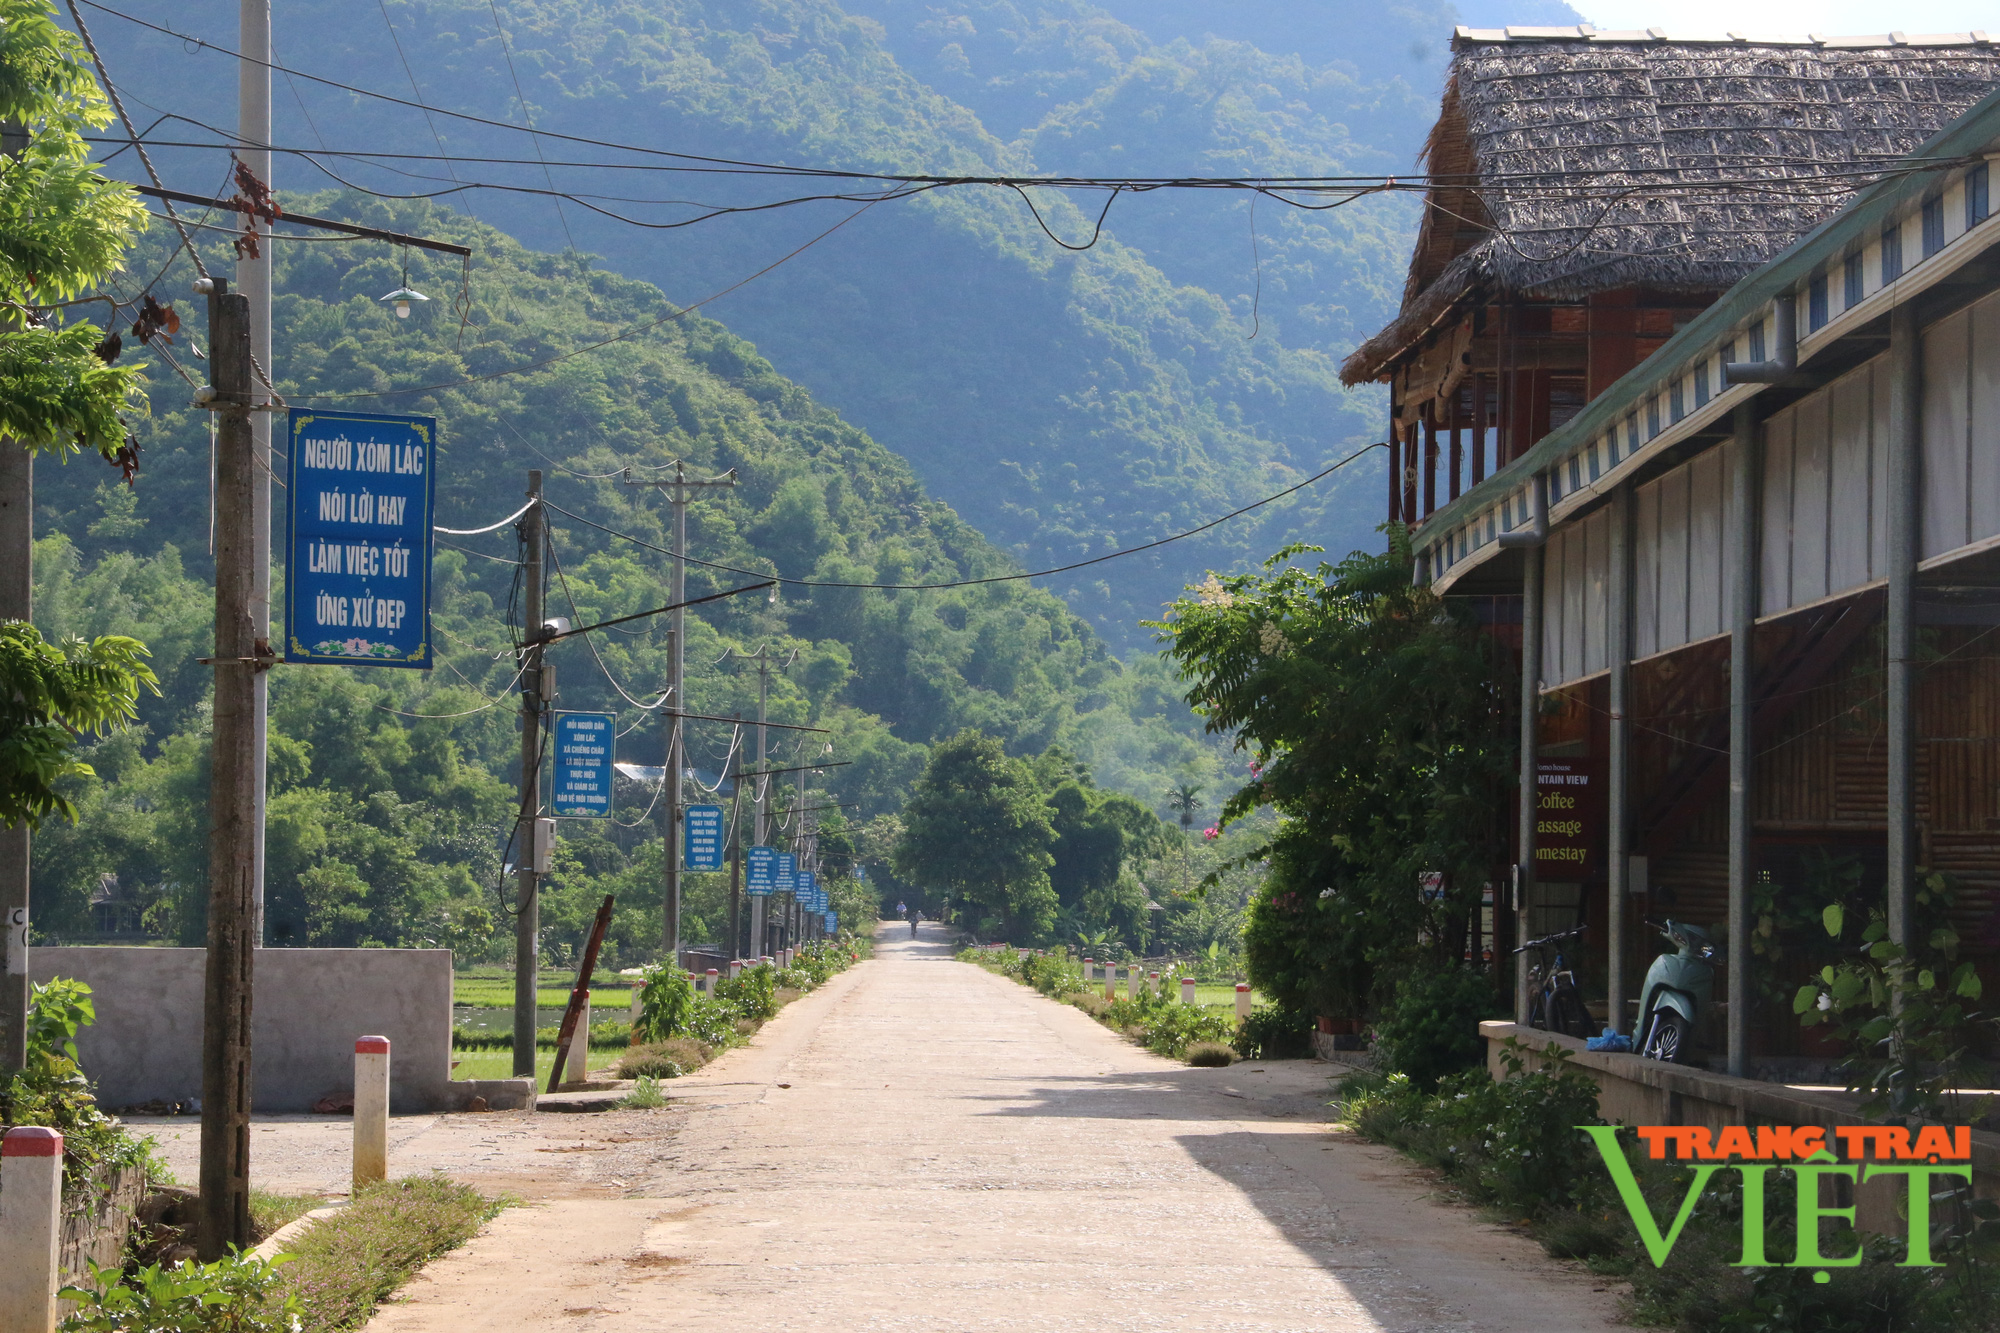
996 578
514 517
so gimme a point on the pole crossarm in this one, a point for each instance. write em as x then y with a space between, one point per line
306 220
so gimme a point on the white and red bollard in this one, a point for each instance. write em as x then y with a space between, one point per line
31 1160
1111 981
1132 975
1242 1000
1154 982
714 976
1088 964
735 968
371 1110
1187 990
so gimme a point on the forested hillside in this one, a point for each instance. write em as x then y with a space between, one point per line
390 827
1064 403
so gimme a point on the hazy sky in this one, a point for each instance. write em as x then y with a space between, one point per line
1833 17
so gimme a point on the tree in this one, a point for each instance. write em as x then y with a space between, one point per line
1184 799
1376 714
64 227
977 827
49 695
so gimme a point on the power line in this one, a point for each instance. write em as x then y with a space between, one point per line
622 336
996 578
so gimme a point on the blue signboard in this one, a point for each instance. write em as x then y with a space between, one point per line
760 867
580 779
359 487
807 889
701 837
833 923
782 879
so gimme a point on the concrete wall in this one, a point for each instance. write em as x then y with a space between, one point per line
308 1006
1632 1090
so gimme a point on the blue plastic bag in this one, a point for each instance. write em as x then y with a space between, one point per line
1610 1041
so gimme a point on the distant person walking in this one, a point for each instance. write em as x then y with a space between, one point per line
914 918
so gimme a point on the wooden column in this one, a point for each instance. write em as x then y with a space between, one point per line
1456 471
1395 452
1430 429
1478 428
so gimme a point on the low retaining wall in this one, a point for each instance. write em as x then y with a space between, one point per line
1632 1090
308 1006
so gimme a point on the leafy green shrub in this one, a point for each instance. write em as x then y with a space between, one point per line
752 995
1210 1055
664 1002
652 1065
233 1295
1171 1028
1431 1029
1271 1033
51 1091
344 1264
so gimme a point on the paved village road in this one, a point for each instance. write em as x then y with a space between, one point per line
923 1145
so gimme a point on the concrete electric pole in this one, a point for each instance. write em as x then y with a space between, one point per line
253 280
680 491
537 687
241 656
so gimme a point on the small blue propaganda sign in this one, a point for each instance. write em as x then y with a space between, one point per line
833 923
580 778
806 887
784 878
760 871
701 837
359 489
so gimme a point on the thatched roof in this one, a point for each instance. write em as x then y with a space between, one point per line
1567 161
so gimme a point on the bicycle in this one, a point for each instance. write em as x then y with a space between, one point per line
1555 1004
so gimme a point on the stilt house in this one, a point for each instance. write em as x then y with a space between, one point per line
1711 336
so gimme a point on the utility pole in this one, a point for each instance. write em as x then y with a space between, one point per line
679 492
536 688
240 658
253 280
765 665
17 602
735 857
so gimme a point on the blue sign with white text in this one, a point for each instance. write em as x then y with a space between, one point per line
580 779
833 923
760 871
784 878
701 837
359 490
807 889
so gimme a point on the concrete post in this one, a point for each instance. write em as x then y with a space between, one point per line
1088 963
735 968
1618 767
30 1228
714 976
638 1001
371 1111
1154 982
1132 974
1242 1000
1111 981
1531 701
1742 664
1905 529
576 1065
1187 990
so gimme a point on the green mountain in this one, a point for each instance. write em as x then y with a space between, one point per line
1064 403
389 827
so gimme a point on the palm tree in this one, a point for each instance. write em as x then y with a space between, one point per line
1184 799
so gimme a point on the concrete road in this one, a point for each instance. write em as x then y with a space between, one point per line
922 1145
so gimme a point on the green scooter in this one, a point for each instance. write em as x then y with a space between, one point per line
1679 986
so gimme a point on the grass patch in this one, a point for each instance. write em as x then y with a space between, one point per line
344 1265
665 1059
1210 1055
269 1211
646 1096
498 993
